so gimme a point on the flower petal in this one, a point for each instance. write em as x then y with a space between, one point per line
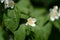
34 20
12 7
2 1
59 14
33 25
9 4
52 19
29 19
56 17
26 23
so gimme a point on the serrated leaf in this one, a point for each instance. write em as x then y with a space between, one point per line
20 33
11 19
42 33
23 6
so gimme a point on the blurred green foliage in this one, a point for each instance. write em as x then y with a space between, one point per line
12 21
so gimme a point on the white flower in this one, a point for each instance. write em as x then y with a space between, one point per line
54 13
31 22
9 4
2 1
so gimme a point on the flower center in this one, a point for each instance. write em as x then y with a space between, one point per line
11 3
53 14
30 21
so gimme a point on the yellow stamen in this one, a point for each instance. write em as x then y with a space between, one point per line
53 14
30 21
11 3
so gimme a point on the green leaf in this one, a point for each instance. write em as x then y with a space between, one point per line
11 19
23 5
57 24
1 33
42 20
42 33
38 12
24 16
20 33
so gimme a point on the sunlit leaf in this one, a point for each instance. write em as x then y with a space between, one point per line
38 12
20 33
11 19
23 6
42 33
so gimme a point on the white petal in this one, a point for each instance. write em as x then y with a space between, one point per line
34 20
6 6
33 25
56 7
52 19
12 7
29 19
6 1
59 14
2 1
26 23
57 17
